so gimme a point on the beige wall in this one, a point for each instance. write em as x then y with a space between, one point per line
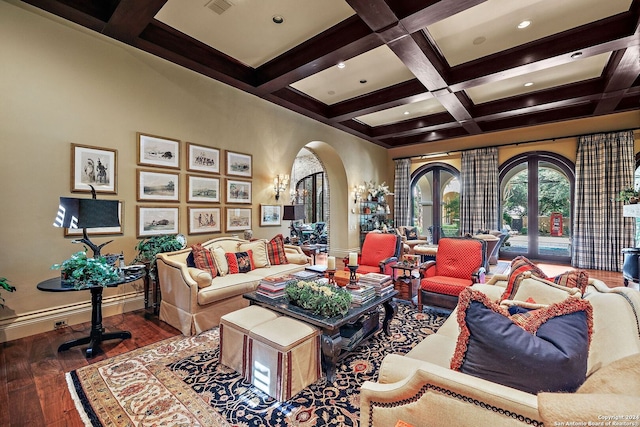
60 84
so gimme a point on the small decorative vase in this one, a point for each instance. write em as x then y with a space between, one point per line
380 199
248 234
369 198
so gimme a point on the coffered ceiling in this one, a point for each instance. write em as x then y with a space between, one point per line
396 72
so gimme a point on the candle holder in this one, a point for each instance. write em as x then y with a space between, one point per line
352 277
332 278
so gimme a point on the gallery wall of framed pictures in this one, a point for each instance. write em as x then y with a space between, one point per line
217 185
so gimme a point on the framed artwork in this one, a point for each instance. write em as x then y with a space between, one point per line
270 215
238 191
158 151
157 220
99 231
203 189
93 166
239 164
203 159
158 186
204 220
238 219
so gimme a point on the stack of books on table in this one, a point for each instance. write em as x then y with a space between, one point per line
273 286
381 283
362 294
306 275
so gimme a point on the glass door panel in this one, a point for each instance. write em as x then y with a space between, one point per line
515 206
554 211
449 204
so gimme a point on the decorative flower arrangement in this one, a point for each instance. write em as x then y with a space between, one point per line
378 190
85 272
322 299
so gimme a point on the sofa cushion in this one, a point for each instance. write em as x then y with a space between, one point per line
619 377
297 258
542 291
202 278
275 251
240 262
221 261
259 250
203 259
546 351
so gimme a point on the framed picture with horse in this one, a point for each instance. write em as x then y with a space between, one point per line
93 167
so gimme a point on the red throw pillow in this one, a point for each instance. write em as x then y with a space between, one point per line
203 259
240 262
519 265
572 279
275 249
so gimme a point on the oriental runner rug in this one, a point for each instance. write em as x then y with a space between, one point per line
179 381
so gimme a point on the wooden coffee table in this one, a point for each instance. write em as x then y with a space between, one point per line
332 351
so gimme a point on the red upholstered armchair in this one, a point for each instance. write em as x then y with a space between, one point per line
379 252
459 263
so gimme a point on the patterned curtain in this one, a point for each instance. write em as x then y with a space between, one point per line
479 194
402 193
604 166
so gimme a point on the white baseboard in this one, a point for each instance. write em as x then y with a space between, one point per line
45 321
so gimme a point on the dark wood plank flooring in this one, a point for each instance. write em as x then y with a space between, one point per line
33 390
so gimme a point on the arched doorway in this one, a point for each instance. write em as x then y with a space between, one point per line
536 206
435 200
310 188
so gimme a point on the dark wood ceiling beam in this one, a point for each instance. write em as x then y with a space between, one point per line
166 42
542 117
131 17
621 72
343 41
90 14
606 35
432 136
398 94
415 126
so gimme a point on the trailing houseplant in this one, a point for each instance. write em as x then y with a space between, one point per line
628 195
151 246
4 284
84 272
319 298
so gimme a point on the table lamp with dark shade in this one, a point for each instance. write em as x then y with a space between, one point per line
87 213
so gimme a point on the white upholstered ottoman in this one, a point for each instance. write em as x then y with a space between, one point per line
234 335
285 357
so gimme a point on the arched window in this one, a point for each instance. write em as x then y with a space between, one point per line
537 193
435 200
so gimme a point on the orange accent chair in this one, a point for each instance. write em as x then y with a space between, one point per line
459 263
379 252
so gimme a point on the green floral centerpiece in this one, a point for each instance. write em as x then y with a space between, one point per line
84 272
320 298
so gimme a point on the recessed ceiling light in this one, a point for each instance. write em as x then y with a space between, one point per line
576 55
527 84
524 24
277 19
341 65
406 113
331 92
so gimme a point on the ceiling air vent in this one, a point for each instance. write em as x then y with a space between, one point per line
219 6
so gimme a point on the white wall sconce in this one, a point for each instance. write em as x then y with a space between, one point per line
280 184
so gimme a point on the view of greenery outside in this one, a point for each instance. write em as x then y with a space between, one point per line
553 196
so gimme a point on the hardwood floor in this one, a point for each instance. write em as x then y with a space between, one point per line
33 390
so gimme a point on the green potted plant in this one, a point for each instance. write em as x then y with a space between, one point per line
319 298
151 246
84 272
628 195
4 284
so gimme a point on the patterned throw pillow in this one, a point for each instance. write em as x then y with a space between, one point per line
240 262
543 350
519 265
203 259
572 279
411 233
275 249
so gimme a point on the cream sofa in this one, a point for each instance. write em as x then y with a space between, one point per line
420 388
193 302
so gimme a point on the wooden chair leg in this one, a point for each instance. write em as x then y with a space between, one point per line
419 299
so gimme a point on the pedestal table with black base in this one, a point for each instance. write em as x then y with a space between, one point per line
97 334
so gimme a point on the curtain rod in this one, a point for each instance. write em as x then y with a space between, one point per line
507 144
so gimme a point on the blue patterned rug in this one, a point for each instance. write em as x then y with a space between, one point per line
180 382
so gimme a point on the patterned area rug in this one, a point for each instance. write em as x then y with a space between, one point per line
179 381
